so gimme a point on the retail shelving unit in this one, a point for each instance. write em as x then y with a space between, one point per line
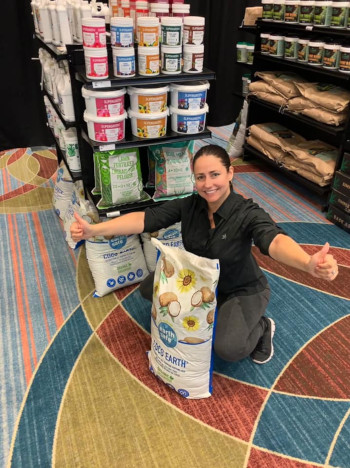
260 111
58 53
75 56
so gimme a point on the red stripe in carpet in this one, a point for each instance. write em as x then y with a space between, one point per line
322 369
338 287
260 459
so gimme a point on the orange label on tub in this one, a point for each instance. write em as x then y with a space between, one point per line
147 104
148 36
154 128
148 64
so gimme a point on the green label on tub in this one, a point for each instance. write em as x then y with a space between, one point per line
323 15
278 12
290 49
268 11
306 14
339 16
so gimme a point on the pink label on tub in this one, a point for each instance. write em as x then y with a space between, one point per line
94 36
96 67
106 107
109 131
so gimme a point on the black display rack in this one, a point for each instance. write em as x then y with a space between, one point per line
74 54
262 111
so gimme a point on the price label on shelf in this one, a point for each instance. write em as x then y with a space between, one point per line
309 28
101 84
107 147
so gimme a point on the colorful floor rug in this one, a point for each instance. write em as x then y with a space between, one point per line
75 386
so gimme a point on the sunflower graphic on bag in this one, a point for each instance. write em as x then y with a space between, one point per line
183 320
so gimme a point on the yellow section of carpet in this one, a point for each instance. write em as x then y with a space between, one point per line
38 199
108 419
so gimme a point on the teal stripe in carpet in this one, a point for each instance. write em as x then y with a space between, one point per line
313 233
300 427
34 438
300 313
341 451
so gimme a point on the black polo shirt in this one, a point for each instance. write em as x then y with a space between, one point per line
238 223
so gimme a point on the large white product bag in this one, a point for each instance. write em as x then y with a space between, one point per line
170 236
115 263
183 318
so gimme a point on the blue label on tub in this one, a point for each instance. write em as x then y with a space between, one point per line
190 124
192 100
125 66
122 36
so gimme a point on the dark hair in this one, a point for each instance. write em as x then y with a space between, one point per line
213 150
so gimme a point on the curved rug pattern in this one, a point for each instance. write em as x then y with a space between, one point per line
89 399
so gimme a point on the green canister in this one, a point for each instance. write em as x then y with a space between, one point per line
292 11
331 56
291 48
265 43
279 10
315 56
303 50
267 14
344 60
307 11
276 45
323 13
340 14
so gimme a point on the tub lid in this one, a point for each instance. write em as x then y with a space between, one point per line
191 86
94 118
102 94
150 116
155 89
174 110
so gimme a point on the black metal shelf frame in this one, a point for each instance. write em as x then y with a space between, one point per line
135 142
294 176
302 28
329 129
305 67
67 124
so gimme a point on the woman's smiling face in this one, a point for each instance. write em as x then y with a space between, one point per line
212 180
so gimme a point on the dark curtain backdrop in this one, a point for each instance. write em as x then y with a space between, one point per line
222 20
22 116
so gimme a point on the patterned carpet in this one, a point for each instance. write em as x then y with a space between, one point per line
75 386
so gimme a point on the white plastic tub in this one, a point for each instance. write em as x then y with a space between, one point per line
105 129
189 96
148 100
104 103
190 122
148 125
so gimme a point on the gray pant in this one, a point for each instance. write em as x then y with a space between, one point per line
238 321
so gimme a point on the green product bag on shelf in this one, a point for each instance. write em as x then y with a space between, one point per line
120 177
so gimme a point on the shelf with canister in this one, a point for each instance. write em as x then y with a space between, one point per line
306 13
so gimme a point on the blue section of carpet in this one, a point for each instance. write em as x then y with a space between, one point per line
341 452
272 195
139 309
300 313
311 233
35 434
299 427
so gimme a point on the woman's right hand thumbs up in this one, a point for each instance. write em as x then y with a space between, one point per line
80 229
